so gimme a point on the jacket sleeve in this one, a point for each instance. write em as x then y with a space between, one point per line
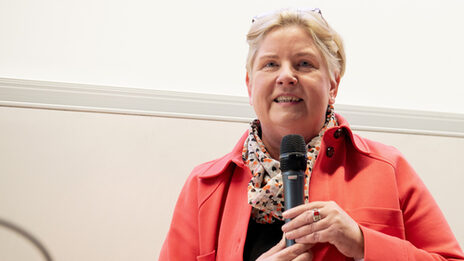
181 242
428 235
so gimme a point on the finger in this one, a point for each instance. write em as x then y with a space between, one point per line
303 219
293 251
293 212
308 229
306 256
321 236
275 249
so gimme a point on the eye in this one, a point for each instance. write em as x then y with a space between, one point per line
270 64
305 64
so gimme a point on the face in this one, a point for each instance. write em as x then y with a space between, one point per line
290 86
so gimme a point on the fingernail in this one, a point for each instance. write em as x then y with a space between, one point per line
284 227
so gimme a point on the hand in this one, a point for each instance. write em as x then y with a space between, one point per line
336 227
297 252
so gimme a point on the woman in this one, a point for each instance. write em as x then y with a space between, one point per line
362 199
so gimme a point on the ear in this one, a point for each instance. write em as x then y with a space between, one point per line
334 88
247 80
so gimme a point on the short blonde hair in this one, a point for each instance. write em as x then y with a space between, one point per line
326 39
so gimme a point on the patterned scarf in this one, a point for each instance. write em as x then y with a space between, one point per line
265 189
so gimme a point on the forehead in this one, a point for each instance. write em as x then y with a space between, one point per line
288 39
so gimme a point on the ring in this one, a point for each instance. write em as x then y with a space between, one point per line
316 215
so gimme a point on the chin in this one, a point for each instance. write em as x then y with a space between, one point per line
291 128
293 123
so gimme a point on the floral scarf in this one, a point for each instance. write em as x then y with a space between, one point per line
265 189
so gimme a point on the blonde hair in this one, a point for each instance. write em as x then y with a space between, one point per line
326 39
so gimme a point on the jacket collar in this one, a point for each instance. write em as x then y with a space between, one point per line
359 144
219 166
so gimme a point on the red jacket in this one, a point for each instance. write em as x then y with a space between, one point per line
372 182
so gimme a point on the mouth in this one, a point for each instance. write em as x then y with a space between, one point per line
287 99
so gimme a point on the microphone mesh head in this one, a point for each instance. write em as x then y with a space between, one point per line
292 153
292 143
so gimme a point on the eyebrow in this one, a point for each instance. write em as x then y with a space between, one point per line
311 54
268 56
300 54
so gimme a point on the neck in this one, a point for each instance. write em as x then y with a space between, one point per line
272 146
273 139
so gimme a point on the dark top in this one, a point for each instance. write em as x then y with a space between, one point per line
260 238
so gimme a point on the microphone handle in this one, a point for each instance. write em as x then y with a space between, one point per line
293 192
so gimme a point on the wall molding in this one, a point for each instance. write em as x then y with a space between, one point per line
130 101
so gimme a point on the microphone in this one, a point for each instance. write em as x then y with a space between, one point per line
293 166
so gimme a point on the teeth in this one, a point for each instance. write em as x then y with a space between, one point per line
287 99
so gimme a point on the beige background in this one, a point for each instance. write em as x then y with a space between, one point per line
400 54
101 186
98 186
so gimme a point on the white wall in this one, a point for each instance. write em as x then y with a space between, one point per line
99 186
96 186
401 54
86 183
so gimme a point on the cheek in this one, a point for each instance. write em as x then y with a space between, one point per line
259 99
262 85
322 91
317 98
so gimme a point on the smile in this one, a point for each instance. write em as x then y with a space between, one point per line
282 99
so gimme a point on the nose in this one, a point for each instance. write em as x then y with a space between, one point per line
286 76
